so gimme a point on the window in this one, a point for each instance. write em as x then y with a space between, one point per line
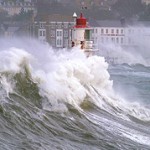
95 30
122 40
59 38
117 40
106 31
121 31
59 33
42 32
59 42
112 39
95 39
112 31
65 33
41 25
102 31
117 31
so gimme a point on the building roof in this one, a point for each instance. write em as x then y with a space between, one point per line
54 17
58 17
110 23
118 23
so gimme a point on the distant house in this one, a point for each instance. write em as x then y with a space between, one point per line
54 29
120 32
14 8
108 32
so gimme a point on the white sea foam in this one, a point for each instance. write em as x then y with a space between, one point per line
11 59
71 77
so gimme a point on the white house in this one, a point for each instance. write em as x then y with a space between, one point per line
120 33
109 32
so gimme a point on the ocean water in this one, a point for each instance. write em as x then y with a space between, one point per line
61 100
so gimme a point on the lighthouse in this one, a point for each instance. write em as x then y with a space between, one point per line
81 35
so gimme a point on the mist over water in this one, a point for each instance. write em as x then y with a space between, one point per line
120 55
53 97
131 67
136 52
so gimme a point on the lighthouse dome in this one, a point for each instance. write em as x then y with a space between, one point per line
81 22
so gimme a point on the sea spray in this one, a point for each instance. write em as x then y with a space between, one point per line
67 77
12 59
123 55
44 108
73 75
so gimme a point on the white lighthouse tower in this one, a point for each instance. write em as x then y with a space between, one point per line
81 35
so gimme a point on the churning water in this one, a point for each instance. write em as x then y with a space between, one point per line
60 100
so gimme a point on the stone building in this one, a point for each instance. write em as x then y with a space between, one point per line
54 29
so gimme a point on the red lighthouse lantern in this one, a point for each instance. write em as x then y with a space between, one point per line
81 22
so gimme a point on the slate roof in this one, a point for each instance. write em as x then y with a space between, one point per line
118 23
54 17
